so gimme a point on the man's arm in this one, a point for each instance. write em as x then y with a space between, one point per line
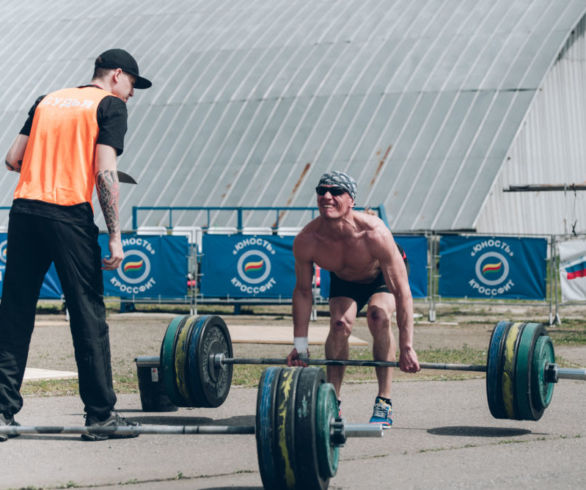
15 154
395 274
302 298
108 190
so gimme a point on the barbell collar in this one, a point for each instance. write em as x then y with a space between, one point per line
551 374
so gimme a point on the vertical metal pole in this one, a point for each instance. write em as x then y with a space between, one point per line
550 279
134 217
557 284
193 299
432 274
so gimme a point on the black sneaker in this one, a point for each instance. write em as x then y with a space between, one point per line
7 421
112 422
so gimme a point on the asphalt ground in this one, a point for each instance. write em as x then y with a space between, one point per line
443 436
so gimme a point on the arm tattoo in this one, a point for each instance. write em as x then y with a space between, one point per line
108 194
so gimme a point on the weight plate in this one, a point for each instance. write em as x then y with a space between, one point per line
193 377
167 358
327 411
265 425
180 361
509 368
493 370
523 402
541 390
284 434
209 386
308 473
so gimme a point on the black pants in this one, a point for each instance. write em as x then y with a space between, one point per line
33 243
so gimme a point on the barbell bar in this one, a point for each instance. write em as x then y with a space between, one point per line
297 429
553 371
350 430
196 362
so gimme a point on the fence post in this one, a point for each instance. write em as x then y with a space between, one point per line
432 273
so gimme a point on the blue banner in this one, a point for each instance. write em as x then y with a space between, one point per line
415 248
153 267
492 267
247 266
51 287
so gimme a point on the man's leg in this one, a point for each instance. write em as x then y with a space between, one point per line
27 263
380 310
78 263
342 316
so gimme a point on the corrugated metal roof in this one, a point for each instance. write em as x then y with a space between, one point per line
252 100
548 153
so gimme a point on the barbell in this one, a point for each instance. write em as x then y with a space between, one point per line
196 364
298 432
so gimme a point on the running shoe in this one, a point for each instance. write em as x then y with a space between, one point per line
113 421
7 421
382 413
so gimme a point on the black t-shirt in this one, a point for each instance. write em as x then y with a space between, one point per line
111 114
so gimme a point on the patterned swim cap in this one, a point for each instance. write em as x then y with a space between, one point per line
341 180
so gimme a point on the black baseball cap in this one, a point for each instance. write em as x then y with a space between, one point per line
118 58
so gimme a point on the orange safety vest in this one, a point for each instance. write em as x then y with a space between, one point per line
58 162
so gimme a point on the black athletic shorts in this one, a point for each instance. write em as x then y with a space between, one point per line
361 292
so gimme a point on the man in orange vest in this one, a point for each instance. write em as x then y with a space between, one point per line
68 145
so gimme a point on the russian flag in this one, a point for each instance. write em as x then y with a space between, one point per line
577 270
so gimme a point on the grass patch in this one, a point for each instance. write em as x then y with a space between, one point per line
249 375
570 332
126 380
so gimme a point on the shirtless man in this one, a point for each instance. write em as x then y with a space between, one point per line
366 267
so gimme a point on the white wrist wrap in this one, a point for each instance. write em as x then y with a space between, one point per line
301 344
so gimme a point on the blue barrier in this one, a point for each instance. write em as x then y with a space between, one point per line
153 267
493 267
51 287
242 266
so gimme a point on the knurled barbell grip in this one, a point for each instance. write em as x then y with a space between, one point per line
219 359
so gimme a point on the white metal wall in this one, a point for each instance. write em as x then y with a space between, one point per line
550 148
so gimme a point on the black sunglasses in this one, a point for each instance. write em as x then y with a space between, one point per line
334 191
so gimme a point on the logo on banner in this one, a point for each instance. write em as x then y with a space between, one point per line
577 270
253 268
492 267
134 274
3 248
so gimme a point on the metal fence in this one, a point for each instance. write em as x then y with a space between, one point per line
552 302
